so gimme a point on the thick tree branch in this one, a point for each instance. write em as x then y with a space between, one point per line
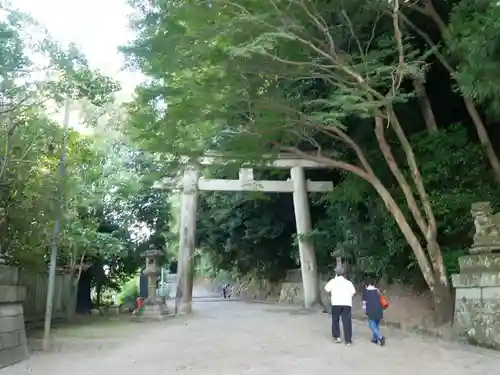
389 202
385 148
415 172
399 42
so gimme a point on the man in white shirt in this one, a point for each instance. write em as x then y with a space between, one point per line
342 291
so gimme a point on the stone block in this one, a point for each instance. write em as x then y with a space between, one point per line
12 294
11 310
13 346
490 330
476 279
481 329
12 339
465 324
326 299
11 323
13 355
468 293
482 262
292 293
8 275
468 304
491 307
492 293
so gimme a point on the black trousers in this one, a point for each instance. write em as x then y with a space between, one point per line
344 313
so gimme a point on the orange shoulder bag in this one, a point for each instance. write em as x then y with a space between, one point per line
384 302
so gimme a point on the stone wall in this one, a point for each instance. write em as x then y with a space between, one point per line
477 299
292 293
13 347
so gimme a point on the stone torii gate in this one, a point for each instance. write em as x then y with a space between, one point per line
297 185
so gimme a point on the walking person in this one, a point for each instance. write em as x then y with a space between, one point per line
226 291
374 310
341 291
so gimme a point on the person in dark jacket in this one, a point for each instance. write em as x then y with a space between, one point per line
226 292
374 310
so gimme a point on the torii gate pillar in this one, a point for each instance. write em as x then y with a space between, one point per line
307 253
187 241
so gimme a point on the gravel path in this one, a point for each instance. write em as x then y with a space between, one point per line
232 337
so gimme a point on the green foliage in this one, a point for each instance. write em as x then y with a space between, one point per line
129 292
473 41
246 234
456 175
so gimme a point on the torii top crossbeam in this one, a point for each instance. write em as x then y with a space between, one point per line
281 161
246 181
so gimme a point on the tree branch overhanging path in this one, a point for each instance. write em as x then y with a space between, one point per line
429 261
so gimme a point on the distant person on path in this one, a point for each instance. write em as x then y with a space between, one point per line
374 310
342 291
226 291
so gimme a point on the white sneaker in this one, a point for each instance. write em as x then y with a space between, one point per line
338 340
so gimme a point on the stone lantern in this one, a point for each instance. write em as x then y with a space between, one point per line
339 256
154 306
151 272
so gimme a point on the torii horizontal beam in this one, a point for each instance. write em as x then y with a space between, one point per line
284 161
246 182
263 186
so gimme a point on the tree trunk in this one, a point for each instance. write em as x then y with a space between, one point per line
408 233
425 105
437 261
72 300
98 292
443 303
428 228
434 272
74 283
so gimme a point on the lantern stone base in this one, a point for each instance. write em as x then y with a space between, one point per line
13 346
477 299
154 310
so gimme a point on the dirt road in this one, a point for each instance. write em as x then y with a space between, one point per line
232 337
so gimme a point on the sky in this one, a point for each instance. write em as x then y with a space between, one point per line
97 27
